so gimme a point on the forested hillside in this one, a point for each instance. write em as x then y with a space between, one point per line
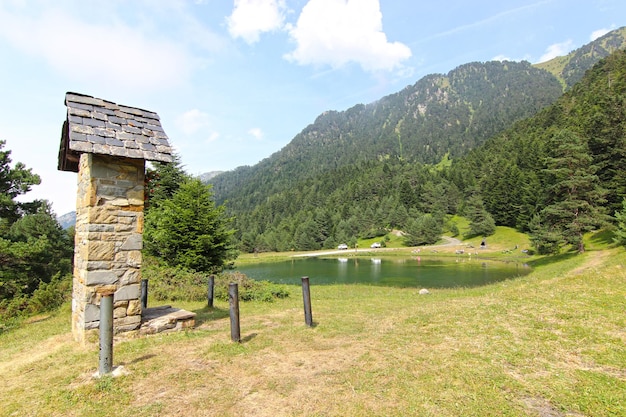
386 165
581 139
438 115
571 68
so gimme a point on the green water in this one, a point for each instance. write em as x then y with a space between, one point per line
395 272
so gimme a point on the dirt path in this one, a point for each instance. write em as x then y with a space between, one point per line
592 262
450 241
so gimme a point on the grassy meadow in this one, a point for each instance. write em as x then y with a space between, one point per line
552 343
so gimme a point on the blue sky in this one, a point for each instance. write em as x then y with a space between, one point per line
234 82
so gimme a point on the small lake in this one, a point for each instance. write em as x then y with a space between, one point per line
420 272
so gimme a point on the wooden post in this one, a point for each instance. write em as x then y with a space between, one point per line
306 296
233 301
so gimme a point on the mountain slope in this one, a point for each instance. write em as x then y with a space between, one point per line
570 69
360 171
438 115
510 168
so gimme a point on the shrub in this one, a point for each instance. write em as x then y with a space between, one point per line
248 288
47 297
177 283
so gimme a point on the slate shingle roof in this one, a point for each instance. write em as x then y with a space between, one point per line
94 125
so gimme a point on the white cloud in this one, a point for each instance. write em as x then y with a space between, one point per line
256 132
114 53
192 121
501 58
557 49
336 32
598 33
250 18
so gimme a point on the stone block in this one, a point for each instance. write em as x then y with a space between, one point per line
134 307
124 228
92 325
112 190
139 224
129 184
102 215
92 313
128 292
186 323
127 323
135 196
101 278
101 251
119 312
100 168
119 202
98 265
134 258
104 290
133 242
131 276
109 236
133 208
83 294
129 220
101 228
127 213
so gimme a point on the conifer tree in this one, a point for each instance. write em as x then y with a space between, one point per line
163 180
574 196
188 230
14 181
620 232
481 222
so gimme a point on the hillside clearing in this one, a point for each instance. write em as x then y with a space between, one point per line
549 344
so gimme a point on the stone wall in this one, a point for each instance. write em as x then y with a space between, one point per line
107 254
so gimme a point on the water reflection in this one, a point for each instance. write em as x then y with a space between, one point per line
393 271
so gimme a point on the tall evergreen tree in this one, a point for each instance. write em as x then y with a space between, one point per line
15 181
574 195
33 246
423 230
188 230
481 222
163 180
620 232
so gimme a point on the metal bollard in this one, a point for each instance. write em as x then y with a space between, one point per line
233 301
105 365
144 294
306 297
210 290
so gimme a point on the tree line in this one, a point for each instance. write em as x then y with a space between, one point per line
35 252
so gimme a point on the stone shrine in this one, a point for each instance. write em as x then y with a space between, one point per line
108 145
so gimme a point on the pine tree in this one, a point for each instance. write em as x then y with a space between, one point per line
620 232
33 246
481 222
188 230
163 180
574 194
14 181
423 230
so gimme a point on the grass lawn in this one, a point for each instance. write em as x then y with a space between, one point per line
552 343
